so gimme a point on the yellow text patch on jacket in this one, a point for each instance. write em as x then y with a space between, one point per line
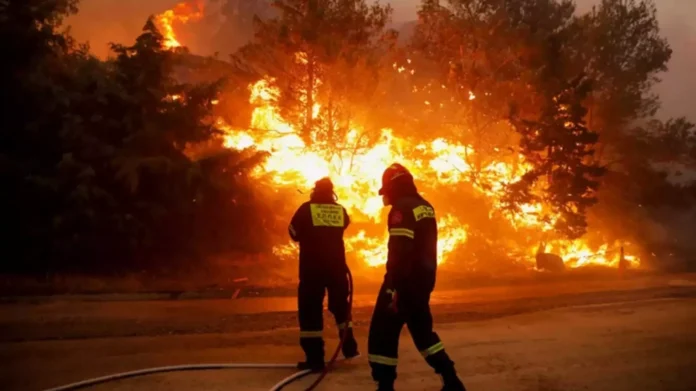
423 212
327 215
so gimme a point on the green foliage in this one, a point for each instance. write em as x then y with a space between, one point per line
519 57
96 158
507 64
560 148
645 179
491 50
618 44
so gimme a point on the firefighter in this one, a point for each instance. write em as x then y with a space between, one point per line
404 297
318 227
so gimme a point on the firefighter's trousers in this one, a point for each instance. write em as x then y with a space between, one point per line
310 307
385 328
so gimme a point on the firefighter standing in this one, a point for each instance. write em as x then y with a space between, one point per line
318 226
405 294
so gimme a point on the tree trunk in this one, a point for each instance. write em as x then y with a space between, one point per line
309 108
548 173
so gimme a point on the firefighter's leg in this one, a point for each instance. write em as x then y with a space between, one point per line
310 302
419 321
383 342
338 287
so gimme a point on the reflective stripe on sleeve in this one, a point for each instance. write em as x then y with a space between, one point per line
402 232
433 349
292 230
382 360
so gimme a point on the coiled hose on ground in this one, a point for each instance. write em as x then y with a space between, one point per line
199 367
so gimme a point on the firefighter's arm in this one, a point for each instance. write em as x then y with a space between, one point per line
401 247
297 224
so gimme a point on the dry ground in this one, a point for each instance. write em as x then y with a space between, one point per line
635 334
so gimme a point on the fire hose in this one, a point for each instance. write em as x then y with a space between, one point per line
198 367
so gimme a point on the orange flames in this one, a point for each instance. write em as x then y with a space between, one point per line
356 172
181 13
292 163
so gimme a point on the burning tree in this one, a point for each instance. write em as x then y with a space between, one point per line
135 160
494 56
324 56
560 149
182 13
470 94
618 44
486 55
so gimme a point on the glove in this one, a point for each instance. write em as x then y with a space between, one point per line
393 304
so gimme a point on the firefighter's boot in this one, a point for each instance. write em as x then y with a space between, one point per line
385 385
314 366
350 345
451 382
314 353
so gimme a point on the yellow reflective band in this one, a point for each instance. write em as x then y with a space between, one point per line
382 360
326 215
402 232
342 326
423 212
292 230
433 349
311 334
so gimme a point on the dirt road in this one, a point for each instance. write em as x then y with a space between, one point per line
631 336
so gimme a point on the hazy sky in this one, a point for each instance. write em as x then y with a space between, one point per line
676 17
101 21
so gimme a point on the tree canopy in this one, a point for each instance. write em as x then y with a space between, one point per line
95 154
520 58
330 51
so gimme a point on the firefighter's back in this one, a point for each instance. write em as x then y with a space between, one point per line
321 243
425 235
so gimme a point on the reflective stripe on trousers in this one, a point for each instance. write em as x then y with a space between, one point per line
311 334
433 349
384 360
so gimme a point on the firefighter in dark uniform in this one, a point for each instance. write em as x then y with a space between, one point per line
318 226
404 297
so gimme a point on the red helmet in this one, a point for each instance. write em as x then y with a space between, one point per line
324 185
395 172
323 190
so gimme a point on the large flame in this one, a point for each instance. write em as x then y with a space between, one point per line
292 163
356 173
181 13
